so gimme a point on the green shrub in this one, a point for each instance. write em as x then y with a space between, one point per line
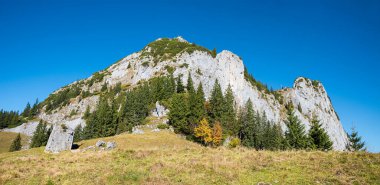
199 72
169 69
315 83
96 77
145 64
167 49
235 142
64 127
163 126
184 65
73 113
62 97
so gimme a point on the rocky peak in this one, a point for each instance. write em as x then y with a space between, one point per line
181 58
311 99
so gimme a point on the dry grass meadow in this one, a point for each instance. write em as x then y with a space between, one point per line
6 139
165 158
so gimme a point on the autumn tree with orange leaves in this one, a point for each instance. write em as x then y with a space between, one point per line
217 134
204 132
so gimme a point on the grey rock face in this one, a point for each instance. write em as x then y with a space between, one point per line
228 69
159 111
61 138
26 128
111 145
314 101
137 131
100 143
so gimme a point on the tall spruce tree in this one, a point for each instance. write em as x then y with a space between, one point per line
26 111
34 110
180 87
199 107
78 133
295 135
193 100
355 142
40 135
247 134
216 103
16 144
179 113
229 116
190 85
320 140
86 113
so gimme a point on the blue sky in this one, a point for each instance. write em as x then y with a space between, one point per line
47 44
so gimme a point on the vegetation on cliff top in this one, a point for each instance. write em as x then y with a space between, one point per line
167 49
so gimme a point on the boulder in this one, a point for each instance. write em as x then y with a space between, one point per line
61 138
111 145
137 131
227 141
91 148
100 143
156 130
159 111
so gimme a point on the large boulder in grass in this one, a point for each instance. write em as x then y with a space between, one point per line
61 138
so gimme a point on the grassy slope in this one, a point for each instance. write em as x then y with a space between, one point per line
6 139
164 158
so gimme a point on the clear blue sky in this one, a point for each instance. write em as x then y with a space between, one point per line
47 44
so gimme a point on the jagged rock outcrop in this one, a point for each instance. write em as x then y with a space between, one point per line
313 100
159 111
61 138
204 68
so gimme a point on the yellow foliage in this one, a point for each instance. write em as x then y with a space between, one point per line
217 134
203 131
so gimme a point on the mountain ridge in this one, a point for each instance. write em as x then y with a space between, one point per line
181 58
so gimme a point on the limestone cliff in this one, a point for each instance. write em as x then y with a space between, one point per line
158 58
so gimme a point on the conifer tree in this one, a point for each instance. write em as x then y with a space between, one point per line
179 113
318 136
199 105
41 135
229 116
295 135
87 112
213 53
193 117
34 110
247 119
172 84
190 85
180 87
104 87
16 144
277 138
217 102
104 117
355 142
78 133
203 131
26 111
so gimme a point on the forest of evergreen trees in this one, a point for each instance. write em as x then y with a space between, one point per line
10 119
206 122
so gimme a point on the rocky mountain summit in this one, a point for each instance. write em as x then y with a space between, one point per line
181 58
